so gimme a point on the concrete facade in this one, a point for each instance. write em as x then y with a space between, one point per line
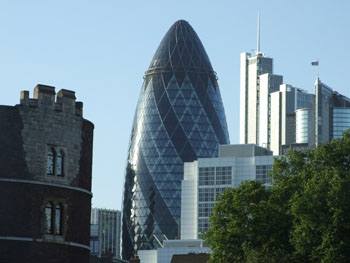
170 248
105 232
257 82
284 104
206 178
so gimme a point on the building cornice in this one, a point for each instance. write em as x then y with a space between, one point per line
8 180
29 239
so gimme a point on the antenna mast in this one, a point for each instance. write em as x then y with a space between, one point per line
258 35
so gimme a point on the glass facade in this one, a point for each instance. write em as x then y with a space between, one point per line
212 182
179 118
341 121
331 113
322 112
220 178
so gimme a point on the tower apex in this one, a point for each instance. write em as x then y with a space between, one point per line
258 35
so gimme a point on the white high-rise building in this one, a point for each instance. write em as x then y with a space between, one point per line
284 104
206 178
257 82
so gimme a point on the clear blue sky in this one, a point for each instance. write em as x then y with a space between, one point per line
101 49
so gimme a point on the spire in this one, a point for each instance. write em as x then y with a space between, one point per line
258 35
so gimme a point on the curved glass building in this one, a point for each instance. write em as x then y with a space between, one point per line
179 118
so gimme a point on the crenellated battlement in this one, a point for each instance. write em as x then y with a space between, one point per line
45 96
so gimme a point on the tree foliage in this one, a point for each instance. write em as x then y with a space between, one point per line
303 217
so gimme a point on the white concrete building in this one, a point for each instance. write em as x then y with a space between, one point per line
171 248
206 178
257 82
305 126
284 104
105 232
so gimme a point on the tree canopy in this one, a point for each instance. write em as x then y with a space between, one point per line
303 217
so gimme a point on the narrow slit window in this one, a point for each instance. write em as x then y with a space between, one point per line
51 156
49 218
60 163
58 219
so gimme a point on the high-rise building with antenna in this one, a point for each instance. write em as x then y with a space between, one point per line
279 116
257 82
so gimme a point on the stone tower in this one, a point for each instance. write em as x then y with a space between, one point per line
45 178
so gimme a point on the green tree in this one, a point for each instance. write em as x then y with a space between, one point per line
247 227
303 217
321 210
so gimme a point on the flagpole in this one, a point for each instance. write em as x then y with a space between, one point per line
317 64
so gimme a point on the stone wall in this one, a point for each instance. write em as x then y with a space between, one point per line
27 133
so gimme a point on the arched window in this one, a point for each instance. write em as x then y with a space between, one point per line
58 219
49 218
51 159
60 163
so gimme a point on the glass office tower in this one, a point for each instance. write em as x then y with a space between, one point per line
331 113
179 118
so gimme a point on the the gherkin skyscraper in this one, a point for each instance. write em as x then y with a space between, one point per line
179 117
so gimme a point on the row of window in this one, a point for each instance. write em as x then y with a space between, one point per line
262 174
209 194
205 209
55 162
203 225
215 175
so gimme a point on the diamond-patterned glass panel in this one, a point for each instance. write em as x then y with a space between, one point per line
179 118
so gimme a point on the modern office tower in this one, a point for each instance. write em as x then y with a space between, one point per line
105 232
257 82
45 178
329 104
206 178
179 118
268 83
284 104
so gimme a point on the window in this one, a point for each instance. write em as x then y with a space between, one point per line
59 163
55 162
224 175
206 194
48 218
206 175
58 219
203 225
262 174
53 218
205 209
51 156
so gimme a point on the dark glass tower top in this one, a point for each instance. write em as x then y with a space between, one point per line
179 118
180 49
